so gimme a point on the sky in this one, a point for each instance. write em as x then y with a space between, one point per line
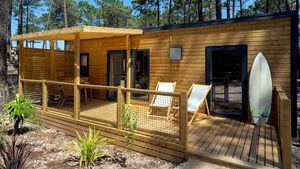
126 2
15 23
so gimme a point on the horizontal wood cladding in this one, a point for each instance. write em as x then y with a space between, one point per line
271 37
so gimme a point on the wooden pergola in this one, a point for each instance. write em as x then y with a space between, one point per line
75 34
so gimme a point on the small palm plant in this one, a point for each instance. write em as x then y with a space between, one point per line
90 147
19 110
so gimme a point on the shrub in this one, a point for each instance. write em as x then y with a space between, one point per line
15 155
19 110
90 147
129 121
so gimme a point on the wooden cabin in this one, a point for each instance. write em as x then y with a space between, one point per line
102 69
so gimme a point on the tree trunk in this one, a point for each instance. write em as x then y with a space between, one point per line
287 6
233 8
241 7
190 10
65 14
158 13
170 12
218 9
209 10
20 19
27 19
267 6
16 127
200 14
228 8
184 11
5 31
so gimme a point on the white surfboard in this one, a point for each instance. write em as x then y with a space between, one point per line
260 90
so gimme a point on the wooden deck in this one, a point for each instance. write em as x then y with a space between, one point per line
235 139
215 136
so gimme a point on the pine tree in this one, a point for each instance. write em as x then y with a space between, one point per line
5 30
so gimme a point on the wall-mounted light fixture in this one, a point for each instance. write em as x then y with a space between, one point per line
175 53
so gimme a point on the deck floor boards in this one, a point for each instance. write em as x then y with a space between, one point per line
217 135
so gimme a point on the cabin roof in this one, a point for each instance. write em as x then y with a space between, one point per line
86 32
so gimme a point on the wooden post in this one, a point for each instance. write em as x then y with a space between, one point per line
21 52
52 61
286 133
119 109
44 96
76 76
183 128
128 71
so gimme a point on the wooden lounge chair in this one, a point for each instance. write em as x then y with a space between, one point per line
67 95
196 98
54 94
161 101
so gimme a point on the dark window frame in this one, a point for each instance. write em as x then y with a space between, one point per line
133 55
87 72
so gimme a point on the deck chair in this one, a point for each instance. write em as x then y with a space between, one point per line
54 94
67 95
161 101
196 98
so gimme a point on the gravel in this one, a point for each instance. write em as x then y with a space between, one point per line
52 150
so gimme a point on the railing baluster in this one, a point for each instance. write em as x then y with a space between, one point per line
44 96
119 108
183 129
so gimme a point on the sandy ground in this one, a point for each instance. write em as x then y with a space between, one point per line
52 150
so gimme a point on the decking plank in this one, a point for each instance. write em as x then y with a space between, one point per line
198 131
225 124
276 152
212 136
204 137
254 145
241 143
203 133
229 138
269 148
261 147
221 142
235 140
247 146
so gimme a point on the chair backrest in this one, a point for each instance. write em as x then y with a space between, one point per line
197 96
68 90
161 100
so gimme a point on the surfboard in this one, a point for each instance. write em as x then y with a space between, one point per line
260 90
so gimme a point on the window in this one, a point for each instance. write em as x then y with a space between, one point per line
141 64
84 65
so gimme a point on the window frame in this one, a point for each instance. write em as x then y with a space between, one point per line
88 65
133 71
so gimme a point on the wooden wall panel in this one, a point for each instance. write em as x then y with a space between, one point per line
271 37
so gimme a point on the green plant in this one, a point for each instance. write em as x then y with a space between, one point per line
19 110
90 147
15 155
129 121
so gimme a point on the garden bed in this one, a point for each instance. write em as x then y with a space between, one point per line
52 150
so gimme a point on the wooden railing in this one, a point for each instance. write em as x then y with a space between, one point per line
121 100
283 109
